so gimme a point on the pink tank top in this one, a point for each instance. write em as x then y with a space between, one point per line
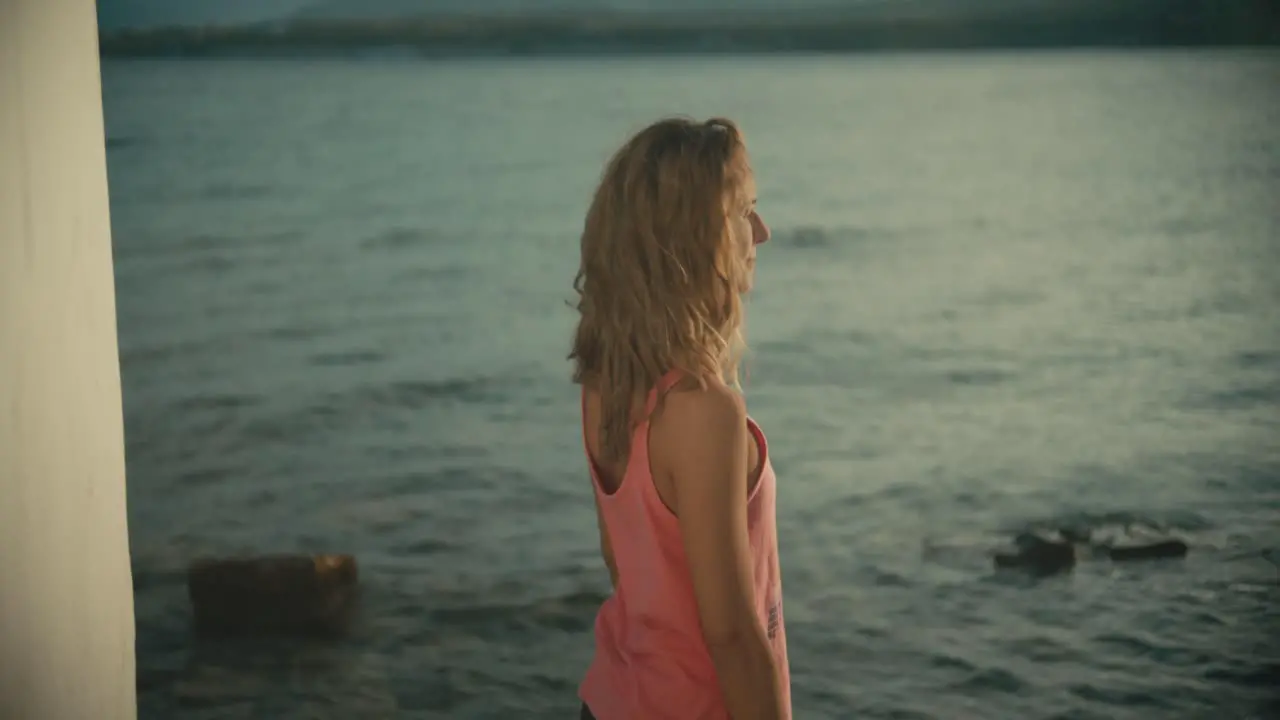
650 659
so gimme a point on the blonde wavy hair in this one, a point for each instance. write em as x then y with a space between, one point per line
661 279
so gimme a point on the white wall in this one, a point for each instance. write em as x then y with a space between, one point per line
66 595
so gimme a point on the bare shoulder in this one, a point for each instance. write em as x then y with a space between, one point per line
700 427
692 410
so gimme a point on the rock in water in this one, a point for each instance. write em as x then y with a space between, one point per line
1147 551
1038 555
274 594
1077 535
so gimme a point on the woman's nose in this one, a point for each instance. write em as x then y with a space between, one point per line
760 231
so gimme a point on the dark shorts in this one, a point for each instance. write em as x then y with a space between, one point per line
586 713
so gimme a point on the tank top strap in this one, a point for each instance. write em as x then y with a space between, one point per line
664 383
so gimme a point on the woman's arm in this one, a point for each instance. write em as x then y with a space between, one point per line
705 443
606 550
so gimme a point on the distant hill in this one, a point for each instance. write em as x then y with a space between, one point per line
450 27
368 9
115 15
726 11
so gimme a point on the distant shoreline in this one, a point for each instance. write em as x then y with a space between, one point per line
1134 25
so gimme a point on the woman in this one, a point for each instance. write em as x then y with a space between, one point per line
684 490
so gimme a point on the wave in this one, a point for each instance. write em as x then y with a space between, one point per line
980 376
198 245
399 238
211 427
347 358
121 142
1260 395
573 612
813 237
359 404
1112 521
217 402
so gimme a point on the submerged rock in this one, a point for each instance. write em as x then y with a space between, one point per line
1147 551
1058 550
274 594
1038 555
1078 535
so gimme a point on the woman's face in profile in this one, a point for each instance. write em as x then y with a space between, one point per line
747 228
